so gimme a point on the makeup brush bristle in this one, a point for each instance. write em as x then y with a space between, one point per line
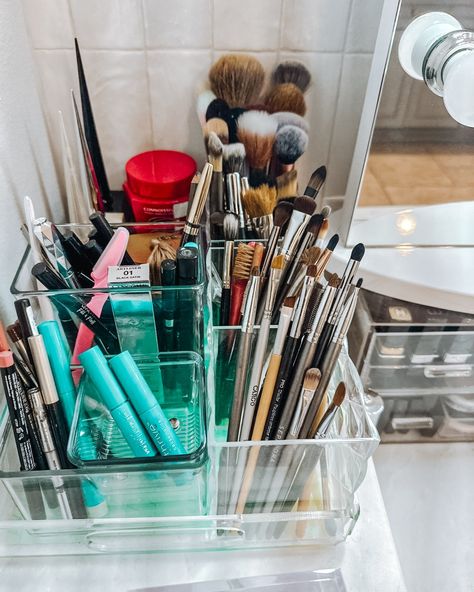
260 201
305 204
288 118
219 127
294 72
238 79
358 252
324 229
332 243
312 270
334 280
359 283
316 181
310 256
290 301
286 97
291 142
230 226
255 270
339 395
311 379
256 130
314 224
287 184
233 156
243 261
326 211
214 149
203 101
217 108
160 250
258 252
282 213
278 262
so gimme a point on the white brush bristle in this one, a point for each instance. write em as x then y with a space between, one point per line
259 123
289 118
202 103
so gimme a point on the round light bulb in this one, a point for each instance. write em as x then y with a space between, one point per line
459 87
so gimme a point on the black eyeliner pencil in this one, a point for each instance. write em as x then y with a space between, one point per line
226 280
105 232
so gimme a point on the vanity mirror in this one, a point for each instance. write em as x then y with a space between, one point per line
417 185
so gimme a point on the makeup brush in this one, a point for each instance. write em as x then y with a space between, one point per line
218 108
161 250
286 97
303 209
323 426
316 182
230 226
294 72
310 384
288 118
261 347
281 215
290 143
327 252
91 132
287 185
233 159
217 126
226 277
193 219
240 275
216 191
259 204
243 356
321 237
346 279
256 130
326 212
237 78
204 99
217 222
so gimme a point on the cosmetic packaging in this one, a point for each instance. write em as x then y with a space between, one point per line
158 184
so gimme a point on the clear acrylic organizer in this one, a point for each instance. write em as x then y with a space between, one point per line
321 509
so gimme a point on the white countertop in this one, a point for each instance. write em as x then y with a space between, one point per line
441 276
368 560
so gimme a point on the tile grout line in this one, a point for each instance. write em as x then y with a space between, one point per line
147 75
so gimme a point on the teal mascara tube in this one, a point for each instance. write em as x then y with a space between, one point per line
146 404
96 367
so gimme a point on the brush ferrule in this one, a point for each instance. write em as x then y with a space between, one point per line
227 268
347 277
301 306
345 320
192 229
322 313
263 226
250 307
200 196
293 234
270 297
304 401
230 197
325 422
285 319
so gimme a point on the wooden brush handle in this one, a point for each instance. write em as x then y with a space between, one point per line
266 397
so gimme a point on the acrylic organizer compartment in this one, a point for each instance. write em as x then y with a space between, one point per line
307 496
139 318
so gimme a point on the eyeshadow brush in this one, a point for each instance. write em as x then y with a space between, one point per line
281 215
216 191
193 219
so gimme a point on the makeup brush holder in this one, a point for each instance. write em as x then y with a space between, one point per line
143 320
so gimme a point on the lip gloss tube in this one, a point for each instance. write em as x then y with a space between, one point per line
145 404
96 367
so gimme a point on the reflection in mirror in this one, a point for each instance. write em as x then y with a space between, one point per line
419 157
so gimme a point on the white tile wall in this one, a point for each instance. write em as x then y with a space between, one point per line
145 60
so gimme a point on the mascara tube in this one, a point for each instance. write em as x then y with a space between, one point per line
188 319
167 332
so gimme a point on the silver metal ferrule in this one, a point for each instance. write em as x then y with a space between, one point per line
293 234
230 196
227 268
250 308
272 288
301 306
43 369
200 196
322 313
345 320
237 199
347 277
326 422
285 319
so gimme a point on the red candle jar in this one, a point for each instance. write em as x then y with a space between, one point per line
158 184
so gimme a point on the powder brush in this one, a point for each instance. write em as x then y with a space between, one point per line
259 204
291 143
233 159
294 72
237 79
285 97
256 130
202 103
288 118
218 108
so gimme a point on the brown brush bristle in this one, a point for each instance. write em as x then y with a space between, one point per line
339 394
310 256
305 204
258 255
312 270
334 281
282 213
160 250
311 379
257 148
255 270
238 79
219 127
286 97
324 229
278 262
287 184
214 148
243 262
260 201
290 301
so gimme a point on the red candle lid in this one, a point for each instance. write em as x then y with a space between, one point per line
160 173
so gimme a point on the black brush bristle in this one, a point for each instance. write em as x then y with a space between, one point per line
218 108
290 143
314 224
294 72
359 283
332 243
316 182
358 252
305 204
282 213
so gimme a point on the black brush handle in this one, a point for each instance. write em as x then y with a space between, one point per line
323 343
216 193
281 388
104 233
281 295
57 423
225 306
